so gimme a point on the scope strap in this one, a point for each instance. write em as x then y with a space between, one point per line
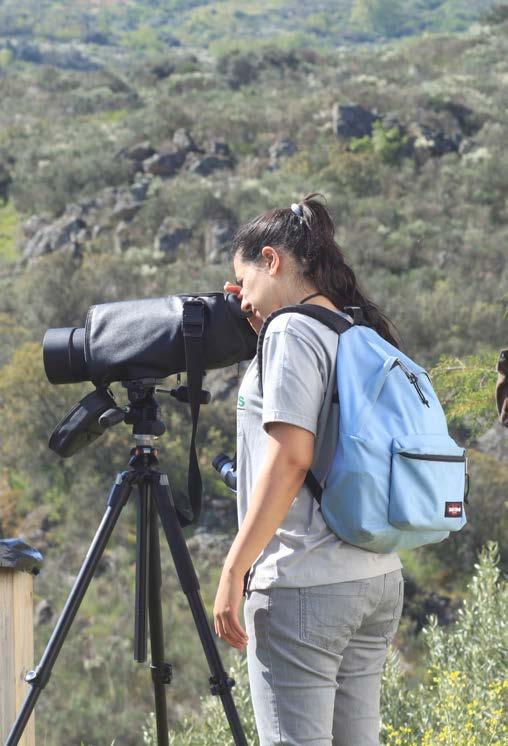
193 324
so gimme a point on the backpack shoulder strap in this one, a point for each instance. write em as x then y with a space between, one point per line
332 319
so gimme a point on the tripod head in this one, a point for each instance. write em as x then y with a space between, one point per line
143 411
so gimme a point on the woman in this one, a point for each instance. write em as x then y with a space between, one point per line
319 612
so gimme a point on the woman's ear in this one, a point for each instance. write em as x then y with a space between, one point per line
272 259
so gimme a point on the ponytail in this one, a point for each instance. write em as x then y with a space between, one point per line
307 232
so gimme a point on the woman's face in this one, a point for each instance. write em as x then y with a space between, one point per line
254 280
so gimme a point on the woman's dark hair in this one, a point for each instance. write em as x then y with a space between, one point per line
307 232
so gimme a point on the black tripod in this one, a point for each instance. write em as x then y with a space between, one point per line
154 497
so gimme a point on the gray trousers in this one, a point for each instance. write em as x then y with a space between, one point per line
315 657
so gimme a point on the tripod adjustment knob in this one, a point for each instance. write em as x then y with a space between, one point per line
162 674
221 686
112 417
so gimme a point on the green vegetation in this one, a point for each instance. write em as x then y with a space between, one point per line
463 698
149 25
9 225
420 203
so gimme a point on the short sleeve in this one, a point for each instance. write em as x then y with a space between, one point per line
294 384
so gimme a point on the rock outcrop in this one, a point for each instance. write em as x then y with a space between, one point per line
218 235
279 151
170 238
5 183
351 120
165 164
207 164
64 56
66 232
431 132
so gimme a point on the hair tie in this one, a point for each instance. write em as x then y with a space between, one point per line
297 209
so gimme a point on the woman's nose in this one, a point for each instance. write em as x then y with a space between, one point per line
244 305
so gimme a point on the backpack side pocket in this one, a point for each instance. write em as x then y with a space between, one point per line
427 483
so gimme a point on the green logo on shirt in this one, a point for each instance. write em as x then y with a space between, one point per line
241 402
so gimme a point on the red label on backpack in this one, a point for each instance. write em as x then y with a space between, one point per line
453 510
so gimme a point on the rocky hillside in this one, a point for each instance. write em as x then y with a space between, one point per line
129 153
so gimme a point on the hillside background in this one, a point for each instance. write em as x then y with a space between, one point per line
134 138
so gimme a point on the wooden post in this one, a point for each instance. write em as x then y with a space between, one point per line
18 564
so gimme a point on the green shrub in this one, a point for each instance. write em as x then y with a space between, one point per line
460 702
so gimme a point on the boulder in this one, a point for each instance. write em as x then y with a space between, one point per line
183 140
468 121
141 151
218 515
468 145
122 237
352 121
165 164
207 164
107 198
210 548
494 441
34 224
163 69
433 134
239 68
218 235
43 613
97 37
64 56
5 183
169 39
107 564
170 237
62 234
125 209
280 150
219 147
140 187
97 229
35 528
390 122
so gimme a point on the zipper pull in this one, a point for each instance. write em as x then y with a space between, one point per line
413 378
420 392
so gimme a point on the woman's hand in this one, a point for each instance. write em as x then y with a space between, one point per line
225 611
255 320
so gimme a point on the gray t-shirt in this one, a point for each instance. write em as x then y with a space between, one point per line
299 368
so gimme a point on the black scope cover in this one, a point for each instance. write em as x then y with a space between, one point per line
128 340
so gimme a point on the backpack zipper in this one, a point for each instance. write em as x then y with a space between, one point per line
434 457
430 456
413 379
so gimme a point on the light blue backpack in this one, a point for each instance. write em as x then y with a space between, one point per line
397 480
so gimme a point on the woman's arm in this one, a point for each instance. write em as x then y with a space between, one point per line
289 456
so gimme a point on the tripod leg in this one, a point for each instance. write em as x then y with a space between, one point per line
142 560
161 671
39 677
220 683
